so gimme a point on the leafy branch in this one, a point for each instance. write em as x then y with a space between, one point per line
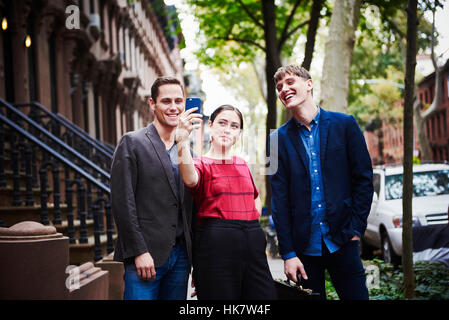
291 32
231 38
245 8
285 34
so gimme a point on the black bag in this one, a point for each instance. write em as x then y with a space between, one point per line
287 291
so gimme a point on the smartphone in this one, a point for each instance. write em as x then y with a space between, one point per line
192 103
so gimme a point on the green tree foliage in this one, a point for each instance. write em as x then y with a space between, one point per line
380 100
379 54
235 30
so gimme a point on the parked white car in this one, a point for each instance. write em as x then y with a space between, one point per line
430 205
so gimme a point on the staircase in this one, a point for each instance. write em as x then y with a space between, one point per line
54 173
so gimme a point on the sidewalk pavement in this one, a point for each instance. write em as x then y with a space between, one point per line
276 267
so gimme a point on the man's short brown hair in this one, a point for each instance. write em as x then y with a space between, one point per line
160 82
293 70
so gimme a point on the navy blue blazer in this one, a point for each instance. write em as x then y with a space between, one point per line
347 180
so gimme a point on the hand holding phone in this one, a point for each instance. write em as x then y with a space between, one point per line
192 103
189 120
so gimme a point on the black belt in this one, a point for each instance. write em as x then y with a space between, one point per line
231 223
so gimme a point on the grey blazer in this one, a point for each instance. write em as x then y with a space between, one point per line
144 198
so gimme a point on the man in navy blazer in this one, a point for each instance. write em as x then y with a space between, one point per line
321 191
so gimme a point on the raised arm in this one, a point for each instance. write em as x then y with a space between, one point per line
187 122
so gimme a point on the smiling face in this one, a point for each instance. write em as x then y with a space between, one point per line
294 91
225 129
169 104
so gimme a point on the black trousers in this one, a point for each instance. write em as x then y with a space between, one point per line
230 262
345 269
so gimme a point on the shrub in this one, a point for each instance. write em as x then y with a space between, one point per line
431 282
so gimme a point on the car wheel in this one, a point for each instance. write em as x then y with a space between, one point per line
388 254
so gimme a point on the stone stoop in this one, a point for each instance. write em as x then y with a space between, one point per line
34 260
88 282
15 214
35 265
116 272
82 252
59 253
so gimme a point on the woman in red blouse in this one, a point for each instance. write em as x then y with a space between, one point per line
229 249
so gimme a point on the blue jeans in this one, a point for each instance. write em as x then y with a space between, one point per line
171 279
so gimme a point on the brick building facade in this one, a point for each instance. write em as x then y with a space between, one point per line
436 126
93 61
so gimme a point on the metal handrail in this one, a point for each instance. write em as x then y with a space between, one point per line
83 133
103 191
55 154
55 139
70 126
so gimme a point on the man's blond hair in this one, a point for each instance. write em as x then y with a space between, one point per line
293 70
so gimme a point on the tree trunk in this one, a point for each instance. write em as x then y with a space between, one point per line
273 62
426 153
315 16
421 118
338 55
380 136
410 64
311 33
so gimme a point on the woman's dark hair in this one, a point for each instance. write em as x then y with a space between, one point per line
223 108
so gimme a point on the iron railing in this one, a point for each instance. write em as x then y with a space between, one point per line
29 149
68 132
77 130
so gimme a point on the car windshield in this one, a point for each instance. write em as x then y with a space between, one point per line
428 183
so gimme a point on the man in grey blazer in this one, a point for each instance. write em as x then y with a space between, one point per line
151 207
